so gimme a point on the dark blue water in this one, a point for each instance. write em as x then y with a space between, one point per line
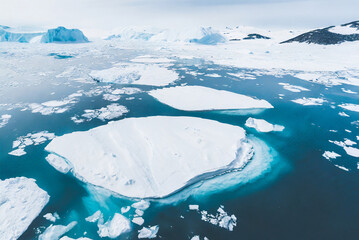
297 195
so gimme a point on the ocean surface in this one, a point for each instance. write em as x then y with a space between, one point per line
292 192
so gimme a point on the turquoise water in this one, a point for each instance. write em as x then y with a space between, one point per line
289 192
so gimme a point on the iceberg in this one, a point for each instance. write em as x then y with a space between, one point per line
21 201
150 232
141 74
152 157
209 37
64 35
293 88
221 219
198 98
8 34
350 107
56 231
262 125
330 154
51 217
114 227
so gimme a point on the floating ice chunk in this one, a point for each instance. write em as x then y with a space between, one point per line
125 209
141 205
4 119
150 232
126 90
139 212
111 97
141 74
114 227
349 142
130 156
52 217
18 152
195 238
193 207
138 220
56 231
354 152
329 155
262 125
81 238
350 107
343 114
94 217
342 168
109 112
348 91
214 75
309 101
221 219
58 163
197 98
31 138
21 201
293 88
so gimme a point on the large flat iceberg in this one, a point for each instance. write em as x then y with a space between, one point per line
153 156
142 74
21 201
198 98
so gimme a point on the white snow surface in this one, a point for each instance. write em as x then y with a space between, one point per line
198 98
345 30
262 125
21 201
141 74
153 156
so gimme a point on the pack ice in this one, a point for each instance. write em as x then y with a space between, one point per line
153 156
198 98
21 201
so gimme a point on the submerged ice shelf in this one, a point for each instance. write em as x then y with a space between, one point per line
153 157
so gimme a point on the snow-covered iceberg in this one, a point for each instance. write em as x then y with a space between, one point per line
209 37
197 98
8 34
153 156
142 74
21 201
64 35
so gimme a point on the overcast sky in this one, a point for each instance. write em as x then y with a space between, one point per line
109 14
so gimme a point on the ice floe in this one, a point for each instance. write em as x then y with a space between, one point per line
221 219
138 220
150 232
4 119
262 125
56 231
30 139
114 227
130 156
350 107
293 88
329 155
81 238
21 201
346 145
198 98
51 217
94 217
109 112
193 207
141 74
348 91
343 114
309 101
141 205
151 59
